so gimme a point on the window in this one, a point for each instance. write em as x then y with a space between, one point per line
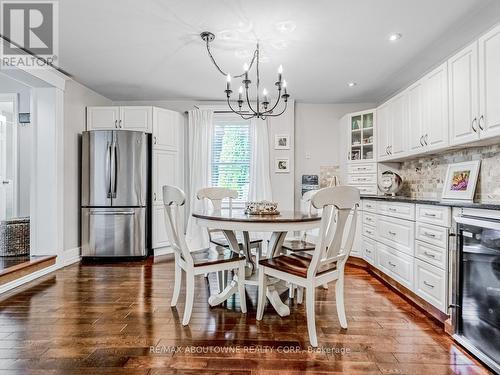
231 147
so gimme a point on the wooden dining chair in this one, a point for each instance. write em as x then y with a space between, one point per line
327 262
216 195
197 262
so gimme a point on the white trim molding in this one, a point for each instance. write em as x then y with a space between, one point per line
162 251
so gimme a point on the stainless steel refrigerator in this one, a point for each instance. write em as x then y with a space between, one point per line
114 193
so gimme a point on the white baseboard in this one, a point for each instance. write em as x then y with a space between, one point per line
162 251
69 257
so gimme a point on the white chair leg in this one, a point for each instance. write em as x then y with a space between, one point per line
221 279
241 287
291 291
300 295
177 284
261 299
339 298
311 317
189 298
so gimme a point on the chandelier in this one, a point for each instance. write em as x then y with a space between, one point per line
263 108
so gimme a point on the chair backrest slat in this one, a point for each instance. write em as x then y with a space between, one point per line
173 199
337 204
216 196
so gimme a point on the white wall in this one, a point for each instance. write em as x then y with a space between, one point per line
317 137
24 142
76 98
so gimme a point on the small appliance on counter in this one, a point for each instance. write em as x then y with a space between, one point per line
390 183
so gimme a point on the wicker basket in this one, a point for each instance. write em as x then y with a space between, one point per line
15 237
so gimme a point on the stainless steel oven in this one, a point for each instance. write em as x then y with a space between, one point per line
476 288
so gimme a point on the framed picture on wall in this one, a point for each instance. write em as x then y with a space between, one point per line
282 165
461 180
282 142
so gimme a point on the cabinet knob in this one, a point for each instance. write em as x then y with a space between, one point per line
422 141
154 197
116 123
155 140
120 124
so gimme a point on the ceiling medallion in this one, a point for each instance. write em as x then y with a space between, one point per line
263 108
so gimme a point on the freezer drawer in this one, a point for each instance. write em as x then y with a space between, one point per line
113 232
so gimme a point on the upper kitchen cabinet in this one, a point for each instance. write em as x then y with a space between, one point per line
414 96
138 118
435 109
166 127
489 84
392 128
362 136
463 92
102 118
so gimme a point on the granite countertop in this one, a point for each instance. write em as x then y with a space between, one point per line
484 206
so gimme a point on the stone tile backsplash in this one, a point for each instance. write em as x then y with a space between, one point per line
424 177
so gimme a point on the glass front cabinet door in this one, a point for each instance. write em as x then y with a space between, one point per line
362 136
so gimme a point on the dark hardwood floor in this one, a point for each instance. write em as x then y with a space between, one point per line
116 319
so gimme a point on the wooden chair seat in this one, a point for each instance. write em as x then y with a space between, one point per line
298 245
294 264
216 255
222 241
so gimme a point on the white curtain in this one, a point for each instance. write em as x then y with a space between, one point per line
260 176
200 128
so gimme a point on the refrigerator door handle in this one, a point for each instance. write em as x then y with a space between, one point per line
113 170
108 168
112 213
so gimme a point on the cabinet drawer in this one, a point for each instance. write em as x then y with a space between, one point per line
369 250
370 206
434 215
396 264
396 209
362 179
362 168
432 254
430 284
369 219
432 234
369 231
366 190
396 233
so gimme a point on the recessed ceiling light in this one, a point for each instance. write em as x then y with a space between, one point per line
285 26
352 84
395 36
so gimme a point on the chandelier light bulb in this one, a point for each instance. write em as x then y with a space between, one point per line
284 83
228 78
240 90
228 82
245 67
280 69
264 92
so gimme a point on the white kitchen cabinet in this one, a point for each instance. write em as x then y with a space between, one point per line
159 230
392 126
358 239
397 233
430 284
463 96
396 264
102 118
165 172
166 128
137 118
489 84
435 114
383 125
415 117
362 136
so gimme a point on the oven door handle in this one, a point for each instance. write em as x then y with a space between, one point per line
481 223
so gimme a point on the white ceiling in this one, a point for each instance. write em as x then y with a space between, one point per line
150 49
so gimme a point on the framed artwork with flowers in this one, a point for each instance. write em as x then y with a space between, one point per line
461 180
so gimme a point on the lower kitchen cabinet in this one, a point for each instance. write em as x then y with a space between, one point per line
430 284
395 264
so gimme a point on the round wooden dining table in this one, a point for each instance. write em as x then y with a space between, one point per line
232 221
